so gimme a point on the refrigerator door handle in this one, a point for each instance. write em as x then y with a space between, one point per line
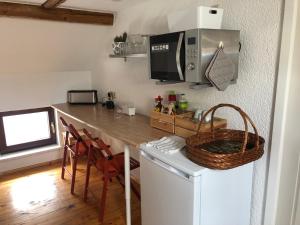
165 166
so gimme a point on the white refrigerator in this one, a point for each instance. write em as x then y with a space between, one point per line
176 191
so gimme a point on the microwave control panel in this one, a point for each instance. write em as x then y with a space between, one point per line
201 46
192 56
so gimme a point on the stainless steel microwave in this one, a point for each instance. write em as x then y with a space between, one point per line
184 56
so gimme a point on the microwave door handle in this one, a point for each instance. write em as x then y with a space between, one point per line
178 55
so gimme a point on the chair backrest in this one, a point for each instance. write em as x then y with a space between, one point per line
100 150
99 145
65 125
71 130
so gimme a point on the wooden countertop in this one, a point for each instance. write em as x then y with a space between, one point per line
132 130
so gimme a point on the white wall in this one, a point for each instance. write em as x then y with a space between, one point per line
9 163
283 199
28 45
41 60
259 22
33 90
283 171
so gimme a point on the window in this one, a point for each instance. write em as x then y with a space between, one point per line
24 129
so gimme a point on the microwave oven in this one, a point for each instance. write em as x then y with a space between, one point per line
184 56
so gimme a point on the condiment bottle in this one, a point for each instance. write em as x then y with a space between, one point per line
183 103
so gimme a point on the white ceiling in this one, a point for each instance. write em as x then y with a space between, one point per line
93 5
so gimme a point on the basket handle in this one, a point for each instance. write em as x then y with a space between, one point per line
244 116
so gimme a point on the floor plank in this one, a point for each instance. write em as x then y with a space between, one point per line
39 196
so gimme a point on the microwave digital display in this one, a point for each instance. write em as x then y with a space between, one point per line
192 41
160 47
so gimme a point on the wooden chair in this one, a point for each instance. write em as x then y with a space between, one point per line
77 148
111 166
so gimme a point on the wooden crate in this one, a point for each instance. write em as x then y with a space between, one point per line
163 121
182 124
185 126
182 132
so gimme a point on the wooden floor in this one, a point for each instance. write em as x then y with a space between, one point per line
39 197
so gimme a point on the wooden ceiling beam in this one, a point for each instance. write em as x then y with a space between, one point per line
55 14
52 3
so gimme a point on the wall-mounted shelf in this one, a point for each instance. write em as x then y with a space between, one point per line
135 46
140 55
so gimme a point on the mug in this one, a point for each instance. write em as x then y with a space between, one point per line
198 114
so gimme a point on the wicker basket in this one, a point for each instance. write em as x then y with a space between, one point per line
225 148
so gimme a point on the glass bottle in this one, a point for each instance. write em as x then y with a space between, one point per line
183 103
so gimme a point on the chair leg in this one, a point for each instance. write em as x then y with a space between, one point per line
71 159
135 191
74 168
121 181
87 179
103 199
63 166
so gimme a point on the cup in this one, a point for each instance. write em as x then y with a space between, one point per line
198 114
207 118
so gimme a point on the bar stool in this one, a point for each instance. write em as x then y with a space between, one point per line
76 146
111 166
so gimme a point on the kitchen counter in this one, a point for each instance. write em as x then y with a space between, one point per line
132 130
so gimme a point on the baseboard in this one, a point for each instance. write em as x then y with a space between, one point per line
14 164
9 172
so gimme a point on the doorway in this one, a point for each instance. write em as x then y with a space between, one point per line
283 203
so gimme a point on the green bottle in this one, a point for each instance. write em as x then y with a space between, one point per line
183 103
